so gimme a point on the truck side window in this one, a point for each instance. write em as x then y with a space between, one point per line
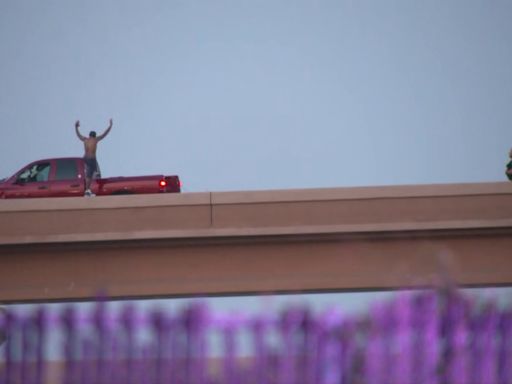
66 170
36 172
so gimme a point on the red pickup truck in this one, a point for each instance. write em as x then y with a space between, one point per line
65 177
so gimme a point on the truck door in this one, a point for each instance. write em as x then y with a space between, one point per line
32 181
67 180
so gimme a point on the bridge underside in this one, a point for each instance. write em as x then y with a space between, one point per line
255 242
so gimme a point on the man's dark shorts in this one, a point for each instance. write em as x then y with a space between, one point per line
91 167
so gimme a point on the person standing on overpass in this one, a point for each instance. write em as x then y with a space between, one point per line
508 172
90 146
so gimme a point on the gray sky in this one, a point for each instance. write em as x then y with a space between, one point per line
262 94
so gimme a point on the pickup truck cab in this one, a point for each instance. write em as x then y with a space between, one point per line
65 177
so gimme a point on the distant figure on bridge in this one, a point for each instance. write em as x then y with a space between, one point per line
91 163
508 172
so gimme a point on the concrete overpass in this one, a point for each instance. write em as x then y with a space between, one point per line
255 242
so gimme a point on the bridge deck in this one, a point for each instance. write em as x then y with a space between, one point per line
255 242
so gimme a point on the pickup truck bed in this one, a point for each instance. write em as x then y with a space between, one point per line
65 177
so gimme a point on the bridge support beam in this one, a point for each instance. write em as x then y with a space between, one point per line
255 242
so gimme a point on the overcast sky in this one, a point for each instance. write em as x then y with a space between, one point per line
262 94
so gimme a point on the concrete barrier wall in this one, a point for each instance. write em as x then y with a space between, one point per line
121 217
254 242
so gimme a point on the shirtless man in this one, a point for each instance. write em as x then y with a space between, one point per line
90 145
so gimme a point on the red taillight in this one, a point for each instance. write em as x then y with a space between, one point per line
163 183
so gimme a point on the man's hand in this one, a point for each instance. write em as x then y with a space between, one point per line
77 124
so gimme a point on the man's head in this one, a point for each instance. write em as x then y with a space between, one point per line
92 134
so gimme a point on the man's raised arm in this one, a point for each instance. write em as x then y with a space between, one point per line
80 136
104 134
